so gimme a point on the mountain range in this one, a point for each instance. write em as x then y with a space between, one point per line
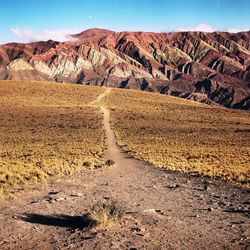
206 67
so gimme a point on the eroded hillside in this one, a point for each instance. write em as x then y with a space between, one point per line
207 67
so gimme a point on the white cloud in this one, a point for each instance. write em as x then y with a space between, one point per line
201 27
208 28
236 30
28 34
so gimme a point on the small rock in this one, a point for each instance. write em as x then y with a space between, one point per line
173 186
136 229
156 222
53 192
35 201
151 211
158 210
60 199
210 209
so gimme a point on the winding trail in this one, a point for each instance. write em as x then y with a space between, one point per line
167 210
113 151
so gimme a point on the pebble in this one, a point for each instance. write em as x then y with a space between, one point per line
60 199
151 210
158 210
138 230
173 186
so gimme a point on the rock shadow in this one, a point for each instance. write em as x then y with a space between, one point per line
60 220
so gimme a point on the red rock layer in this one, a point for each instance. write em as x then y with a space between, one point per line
207 67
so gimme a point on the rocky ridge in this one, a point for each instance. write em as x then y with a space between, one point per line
206 67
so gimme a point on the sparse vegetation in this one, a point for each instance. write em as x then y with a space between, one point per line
182 135
106 213
46 129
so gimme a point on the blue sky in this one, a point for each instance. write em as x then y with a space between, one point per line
30 20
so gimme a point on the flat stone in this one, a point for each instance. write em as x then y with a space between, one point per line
151 211
60 199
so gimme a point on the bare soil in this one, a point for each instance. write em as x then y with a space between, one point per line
164 209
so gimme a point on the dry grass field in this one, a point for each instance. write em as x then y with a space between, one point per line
25 93
182 135
47 129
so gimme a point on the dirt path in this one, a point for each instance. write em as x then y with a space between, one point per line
113 151
167 210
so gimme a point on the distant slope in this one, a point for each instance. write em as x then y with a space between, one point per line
178 134
207 67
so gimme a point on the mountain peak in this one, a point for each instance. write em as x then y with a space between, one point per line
94 34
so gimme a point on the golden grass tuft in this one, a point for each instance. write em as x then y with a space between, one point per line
104 214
